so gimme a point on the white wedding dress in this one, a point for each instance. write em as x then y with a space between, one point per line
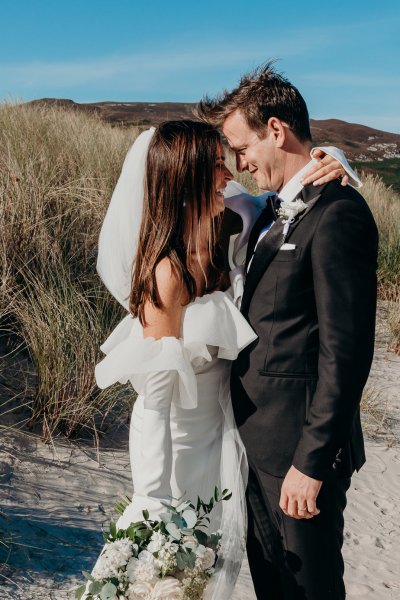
187 443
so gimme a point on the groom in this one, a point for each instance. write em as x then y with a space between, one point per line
310 296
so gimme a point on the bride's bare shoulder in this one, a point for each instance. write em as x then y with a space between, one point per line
170 287
165 319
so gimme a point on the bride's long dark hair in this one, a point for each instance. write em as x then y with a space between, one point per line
179 198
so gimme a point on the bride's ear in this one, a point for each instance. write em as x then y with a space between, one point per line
278 129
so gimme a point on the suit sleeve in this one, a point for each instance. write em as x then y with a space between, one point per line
344 255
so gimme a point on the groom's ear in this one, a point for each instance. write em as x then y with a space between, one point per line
278 129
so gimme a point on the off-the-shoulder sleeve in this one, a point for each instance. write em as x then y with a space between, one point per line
214 320
211 320
133 358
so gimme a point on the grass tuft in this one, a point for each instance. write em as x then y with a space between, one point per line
57 173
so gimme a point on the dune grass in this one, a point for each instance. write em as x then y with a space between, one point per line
385 206
57 172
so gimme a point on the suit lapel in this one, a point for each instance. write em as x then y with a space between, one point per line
310 195
265 252
265 217
270 244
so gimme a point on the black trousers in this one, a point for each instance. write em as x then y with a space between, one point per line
293 559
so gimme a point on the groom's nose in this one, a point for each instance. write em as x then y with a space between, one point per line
241 163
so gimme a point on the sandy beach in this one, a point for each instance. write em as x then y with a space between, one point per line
55 499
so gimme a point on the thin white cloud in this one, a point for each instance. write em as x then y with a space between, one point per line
161 63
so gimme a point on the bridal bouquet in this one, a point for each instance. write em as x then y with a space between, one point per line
170 559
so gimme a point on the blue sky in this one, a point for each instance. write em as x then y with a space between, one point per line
343 56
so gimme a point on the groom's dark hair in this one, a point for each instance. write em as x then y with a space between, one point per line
261 94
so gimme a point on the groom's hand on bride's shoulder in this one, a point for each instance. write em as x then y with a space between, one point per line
299 495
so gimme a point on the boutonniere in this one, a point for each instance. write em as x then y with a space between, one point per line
289 211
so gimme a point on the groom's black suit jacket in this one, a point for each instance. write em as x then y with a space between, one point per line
296 390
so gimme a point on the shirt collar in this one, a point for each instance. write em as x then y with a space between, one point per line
294 186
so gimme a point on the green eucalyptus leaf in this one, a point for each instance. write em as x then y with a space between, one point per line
173 531
108 592
190 517
180 561
80 591
87 575
183 506
178 520
166 517
201 536
146 515
191 560
95 587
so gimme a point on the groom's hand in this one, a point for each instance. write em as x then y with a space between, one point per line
299 495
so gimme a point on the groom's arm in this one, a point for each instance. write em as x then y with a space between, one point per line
344 253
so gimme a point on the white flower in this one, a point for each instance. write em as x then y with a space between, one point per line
114 556
140 591
208 559
171 547
291 209
146 556
143 568
167 589
157 541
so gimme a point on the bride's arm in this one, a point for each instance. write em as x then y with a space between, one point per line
154 482
332 163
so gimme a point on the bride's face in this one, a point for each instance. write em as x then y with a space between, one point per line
222 176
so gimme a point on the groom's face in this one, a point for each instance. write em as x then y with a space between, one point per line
258 156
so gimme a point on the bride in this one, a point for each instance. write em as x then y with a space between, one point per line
159 256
